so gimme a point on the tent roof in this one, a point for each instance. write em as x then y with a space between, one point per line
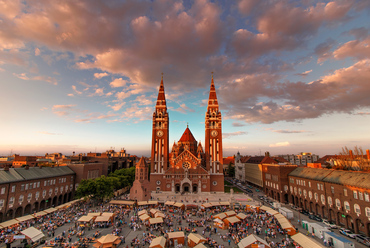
250 239
50 210
224 203
196 238
9 223
305 241
109 238
207 205
102 218
25 218
241 216
269 210
169 203
178 204
232 219
230 213
220 216
156 220
33 233
93 214
142 212
158 241
85 218
159 214
118 202
107 214
41 213
173 235
144 217
153 210
200 245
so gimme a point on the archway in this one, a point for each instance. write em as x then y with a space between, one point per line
48 203
311 207
286 199
341 219
296 201
60 200
186 188
360 227
195 188
65 198
42 205
278 197
317 209
1 216
54 201
368 229
323 210
177 188
35 207
18 212
306 206
27 209
69 196
332 215
9 215
350 224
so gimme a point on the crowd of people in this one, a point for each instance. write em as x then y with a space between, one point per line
126 220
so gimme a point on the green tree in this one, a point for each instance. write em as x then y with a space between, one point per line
231 170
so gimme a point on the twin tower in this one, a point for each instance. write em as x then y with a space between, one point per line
188 168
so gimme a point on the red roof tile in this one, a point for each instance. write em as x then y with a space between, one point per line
187 136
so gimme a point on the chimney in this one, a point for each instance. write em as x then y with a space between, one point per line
74 153
267 154
27 167
351 154
6 167
367 154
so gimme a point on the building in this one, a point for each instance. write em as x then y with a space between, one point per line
276 181
337 195
301 159
31 189
249 169
140 189
20 161
88 170
188 168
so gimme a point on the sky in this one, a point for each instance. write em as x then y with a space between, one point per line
83 76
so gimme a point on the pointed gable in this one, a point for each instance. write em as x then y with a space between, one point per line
141 163
187 136
161 95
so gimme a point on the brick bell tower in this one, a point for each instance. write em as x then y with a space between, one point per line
160 141
213 141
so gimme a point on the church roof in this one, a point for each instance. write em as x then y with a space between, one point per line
187 136
141 162
161 94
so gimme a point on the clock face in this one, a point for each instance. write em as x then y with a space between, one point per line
158 182
214 133
160 133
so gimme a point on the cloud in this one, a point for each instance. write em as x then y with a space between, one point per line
75 90
117 106
144 100
237 124
98 92
47 133
118 82
227 135
304 74
94 116
363 113
288 131
47 79
100 75
44 108
37 52
184 109
280 144
359 49
323 50
62 110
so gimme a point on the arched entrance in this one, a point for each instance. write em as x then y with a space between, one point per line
9 215
286 199
60 200
278 197
311 207
177 188
332 216
65 198
69 196
317 209
35 207
27 209
48 203
1 216
186 188
55 201
42 205
18 212
195 188
323 210
306 206
360 227
350 224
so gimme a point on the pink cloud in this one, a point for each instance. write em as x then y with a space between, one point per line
359 49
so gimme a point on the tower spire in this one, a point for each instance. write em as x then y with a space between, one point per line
161 100
212 100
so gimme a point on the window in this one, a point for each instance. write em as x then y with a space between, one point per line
330 201
43 193
34 185
268 176
38 184
300 191
44 183
346 206
27 186
66 188
367 212
286 187
310 194
295 190
50 192
316 196
337 203
322 199
345 192
56 190
11 200
277 186
305 193
29 197
304 183
22 187
332 189
21 197
37 195
367 198
360 196
357 209
61 189
322 187
318 186
31 184
292 180
13 188
355 194
71 187
309 184
1 203
3 190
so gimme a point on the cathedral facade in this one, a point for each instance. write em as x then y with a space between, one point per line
188 168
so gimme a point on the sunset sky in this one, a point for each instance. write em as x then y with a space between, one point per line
291 76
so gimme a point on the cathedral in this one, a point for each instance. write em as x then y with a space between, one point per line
188 168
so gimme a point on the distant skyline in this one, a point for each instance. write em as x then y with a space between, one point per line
291 76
